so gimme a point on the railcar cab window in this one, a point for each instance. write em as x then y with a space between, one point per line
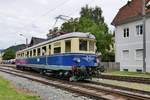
57 50
83 45
43 50
39 52
91 45
68 46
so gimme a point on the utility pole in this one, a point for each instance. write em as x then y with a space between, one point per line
144 35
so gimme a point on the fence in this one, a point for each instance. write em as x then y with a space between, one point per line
111 65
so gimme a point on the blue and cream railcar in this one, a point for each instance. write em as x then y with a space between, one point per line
71 55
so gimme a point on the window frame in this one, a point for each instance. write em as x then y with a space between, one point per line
126 32
93 46
57 52
49 49
38 53
123 58
34 52
81 46
138 59
139 28
45 53
70 46
31 53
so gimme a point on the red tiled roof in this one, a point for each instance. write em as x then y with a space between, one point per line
130 10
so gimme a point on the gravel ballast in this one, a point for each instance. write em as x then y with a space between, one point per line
44 91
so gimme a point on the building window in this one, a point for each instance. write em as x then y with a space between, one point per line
57 50
139 29
83 45
126 70
91 45
125 54
68 46
126 33
139 54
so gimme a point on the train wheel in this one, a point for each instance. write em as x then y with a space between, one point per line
73 79
42 71
22 68
17 67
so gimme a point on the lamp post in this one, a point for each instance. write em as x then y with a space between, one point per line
26 39
144 35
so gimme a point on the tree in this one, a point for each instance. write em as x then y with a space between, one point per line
9 54
91 20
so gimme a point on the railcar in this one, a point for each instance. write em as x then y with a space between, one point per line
71 55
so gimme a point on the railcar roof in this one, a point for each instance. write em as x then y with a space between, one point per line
68 35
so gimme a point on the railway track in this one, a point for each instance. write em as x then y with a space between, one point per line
127 78
81 88
113 77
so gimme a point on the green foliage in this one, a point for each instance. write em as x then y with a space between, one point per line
17 47
91 20
9 54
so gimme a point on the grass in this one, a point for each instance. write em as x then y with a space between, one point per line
8 92
125 73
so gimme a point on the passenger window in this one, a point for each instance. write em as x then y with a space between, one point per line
34 52
57 50
38 52
31 53
44 50
83 45
22 54
68 46
49 49
27 54
91 46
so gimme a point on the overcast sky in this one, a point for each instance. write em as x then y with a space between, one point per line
36 17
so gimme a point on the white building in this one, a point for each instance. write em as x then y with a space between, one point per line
129 36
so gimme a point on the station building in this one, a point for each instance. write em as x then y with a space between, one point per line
129 36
